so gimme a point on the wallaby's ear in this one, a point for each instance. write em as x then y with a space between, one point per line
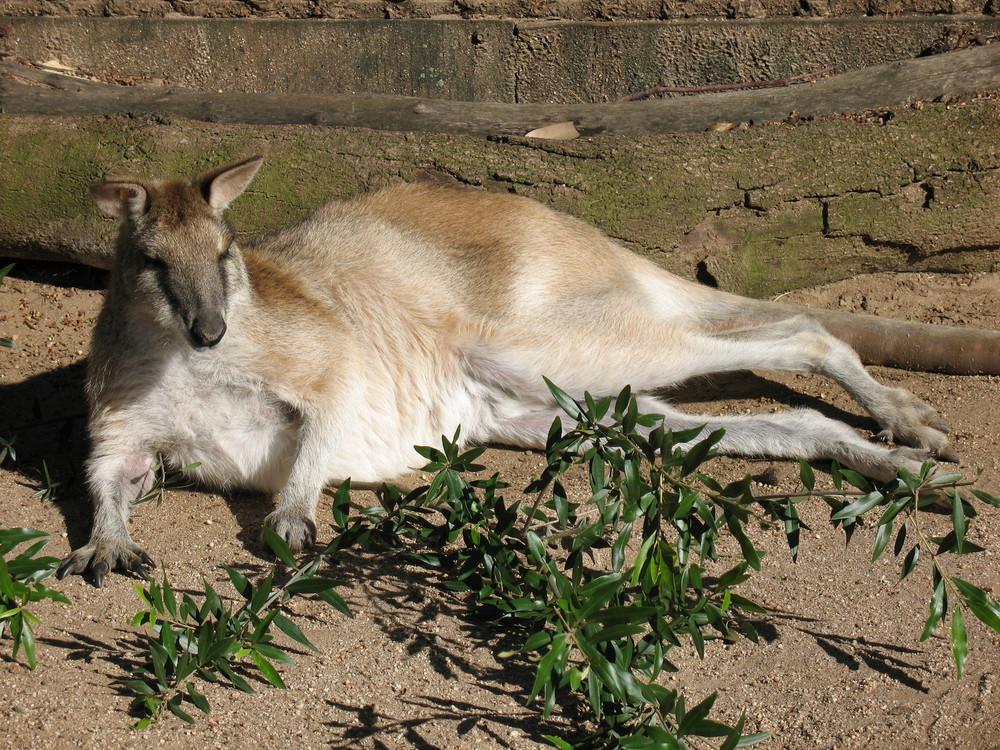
122 200
222 186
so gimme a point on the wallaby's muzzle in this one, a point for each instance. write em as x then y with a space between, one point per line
207 331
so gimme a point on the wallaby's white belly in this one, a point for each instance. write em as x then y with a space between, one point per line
241 436
379 444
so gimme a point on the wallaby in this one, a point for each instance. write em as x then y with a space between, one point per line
328 350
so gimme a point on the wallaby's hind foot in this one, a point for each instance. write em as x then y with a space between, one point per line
298 531
910 421
884 466
96 560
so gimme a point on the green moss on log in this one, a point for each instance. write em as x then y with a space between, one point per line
762 211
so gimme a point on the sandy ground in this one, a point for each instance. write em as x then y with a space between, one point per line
841 664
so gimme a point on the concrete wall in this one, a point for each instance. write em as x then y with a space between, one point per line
606 10
468 60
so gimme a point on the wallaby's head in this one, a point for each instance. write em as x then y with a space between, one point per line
176 251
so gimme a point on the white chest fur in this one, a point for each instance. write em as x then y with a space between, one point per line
201 408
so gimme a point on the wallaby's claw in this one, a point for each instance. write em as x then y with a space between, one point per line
930 441
146 559
94 562
299 532
100 570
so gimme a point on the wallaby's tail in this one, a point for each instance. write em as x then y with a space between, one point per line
898 343
913 346
878 341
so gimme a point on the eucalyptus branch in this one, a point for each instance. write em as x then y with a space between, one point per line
210 640
605 635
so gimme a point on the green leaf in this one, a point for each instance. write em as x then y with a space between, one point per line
980 603
559 743
938 603
240 582
10 538
859 506
160 660
750 740
199 700
279 546
697 714
536 547
263 591
750 553
640 560
959 641
537 641
900 539
292 630
217 651
700 452
312 585
597 593
272 652
543 674
336 601
806 475
174 706
895 508
943 480
987 615
621 682
792 528
958 519
566 403
882 537
169 598
238 682
616 632
26 639
987 498
696 637
910 561
267 670
138 686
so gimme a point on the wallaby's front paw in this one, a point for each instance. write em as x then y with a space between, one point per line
298 531
96 560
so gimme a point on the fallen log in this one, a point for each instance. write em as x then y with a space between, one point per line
929 181
30 91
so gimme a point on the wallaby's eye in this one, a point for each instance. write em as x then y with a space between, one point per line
153 263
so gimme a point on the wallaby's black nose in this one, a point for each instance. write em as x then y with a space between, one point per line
207 333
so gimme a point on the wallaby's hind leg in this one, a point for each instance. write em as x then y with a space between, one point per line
801 344
800 433
648 354
660 331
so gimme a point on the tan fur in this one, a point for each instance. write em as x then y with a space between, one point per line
330 349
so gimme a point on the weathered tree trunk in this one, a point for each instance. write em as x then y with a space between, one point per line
28 91
919 193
